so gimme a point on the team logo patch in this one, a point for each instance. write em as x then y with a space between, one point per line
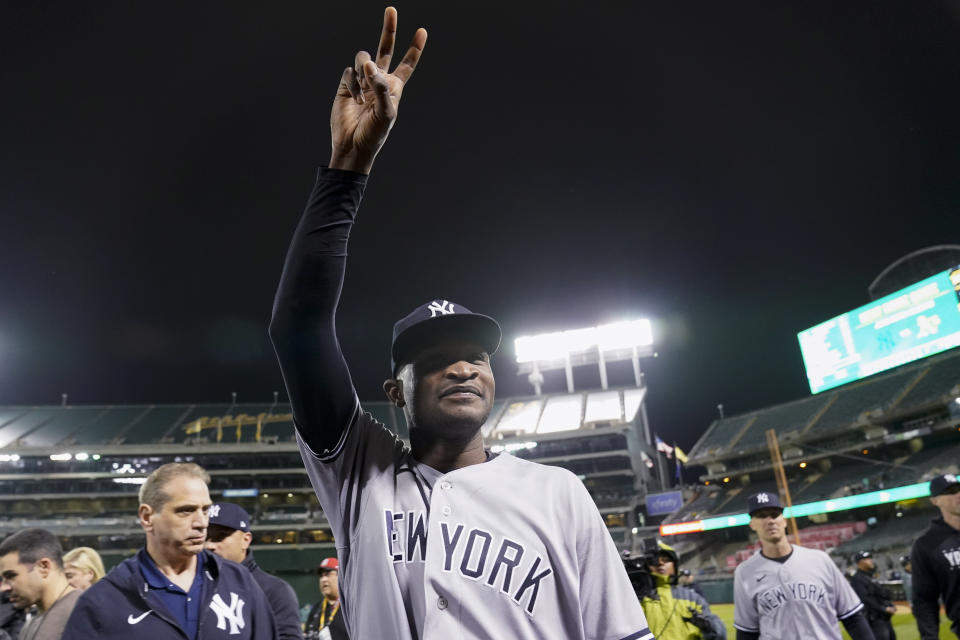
232 613
443 307
763 498
214 511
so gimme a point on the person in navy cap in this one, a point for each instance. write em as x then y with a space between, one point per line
876 599
325 621
935 560
228 536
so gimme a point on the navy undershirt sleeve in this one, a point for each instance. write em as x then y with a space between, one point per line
303 327
858 627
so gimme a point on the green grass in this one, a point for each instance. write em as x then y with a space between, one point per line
903 623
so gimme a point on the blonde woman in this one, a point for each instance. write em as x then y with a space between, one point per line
83 567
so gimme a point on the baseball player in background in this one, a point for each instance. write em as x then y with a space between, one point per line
441 539
788 591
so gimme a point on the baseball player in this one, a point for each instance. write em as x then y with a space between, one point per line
442 539
787 591
935 559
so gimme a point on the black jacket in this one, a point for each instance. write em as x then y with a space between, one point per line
936 577
875 597
337 626
122 606
282 599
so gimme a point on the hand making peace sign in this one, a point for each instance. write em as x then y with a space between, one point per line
367 99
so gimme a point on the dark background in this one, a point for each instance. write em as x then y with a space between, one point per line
735 171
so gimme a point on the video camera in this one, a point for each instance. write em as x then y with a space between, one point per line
638 568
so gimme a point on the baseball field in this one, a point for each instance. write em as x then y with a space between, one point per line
903 623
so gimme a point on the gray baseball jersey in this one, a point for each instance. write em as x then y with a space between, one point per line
503 549
800 598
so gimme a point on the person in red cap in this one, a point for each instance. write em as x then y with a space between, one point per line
324 621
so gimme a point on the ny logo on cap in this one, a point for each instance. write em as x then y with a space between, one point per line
214 511
762 497
442 307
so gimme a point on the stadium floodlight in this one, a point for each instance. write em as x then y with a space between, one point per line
61 457
9 457
608 337
82 456
627 340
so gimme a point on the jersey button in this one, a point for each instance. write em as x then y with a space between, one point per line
446 511
446 485
442 603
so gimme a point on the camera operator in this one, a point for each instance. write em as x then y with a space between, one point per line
673 612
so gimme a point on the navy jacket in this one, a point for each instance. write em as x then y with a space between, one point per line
121 606
936 578
281 598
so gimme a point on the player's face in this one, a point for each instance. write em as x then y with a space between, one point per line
328 584
867 564
23 581
78 577
228 543
769 524
453 389
179 527
949 501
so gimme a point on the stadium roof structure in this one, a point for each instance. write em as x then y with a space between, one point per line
898 405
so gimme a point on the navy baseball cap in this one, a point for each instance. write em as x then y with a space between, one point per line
436 320
941 483
763 500
232 516
862 555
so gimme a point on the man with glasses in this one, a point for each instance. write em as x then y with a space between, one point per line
936 561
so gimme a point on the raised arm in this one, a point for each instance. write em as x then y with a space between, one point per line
302 327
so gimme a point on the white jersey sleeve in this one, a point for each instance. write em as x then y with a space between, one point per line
745 614
847 601
610 607
341 476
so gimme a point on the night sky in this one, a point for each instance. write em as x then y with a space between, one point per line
735 171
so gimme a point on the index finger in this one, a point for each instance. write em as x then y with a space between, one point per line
405 69
388 37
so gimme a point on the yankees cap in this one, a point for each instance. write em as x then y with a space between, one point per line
763 500
232 516
439 319
862 555
941 483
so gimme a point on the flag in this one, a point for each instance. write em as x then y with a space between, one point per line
681 456
646 459
664 448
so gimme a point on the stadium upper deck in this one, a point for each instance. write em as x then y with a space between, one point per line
882 407
76 469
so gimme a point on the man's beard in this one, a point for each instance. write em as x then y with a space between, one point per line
447 426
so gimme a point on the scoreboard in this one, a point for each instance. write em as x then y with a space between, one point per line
909 324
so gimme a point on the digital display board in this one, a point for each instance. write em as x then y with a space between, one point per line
915 322
884 496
